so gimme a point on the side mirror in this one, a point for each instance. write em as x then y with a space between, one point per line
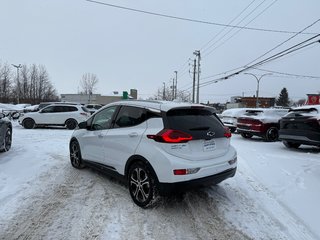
83 125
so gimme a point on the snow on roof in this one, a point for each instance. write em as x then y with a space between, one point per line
234 112
317 107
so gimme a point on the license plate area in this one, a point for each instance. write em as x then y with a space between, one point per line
209 145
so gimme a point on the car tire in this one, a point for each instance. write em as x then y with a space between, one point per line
29 123
232 129
71 124
272 134
142 185
291 144
246 135
75 155
7 140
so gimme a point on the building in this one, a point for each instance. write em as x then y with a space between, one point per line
313 99
250 102
98 98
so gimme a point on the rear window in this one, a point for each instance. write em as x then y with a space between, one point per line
199 123
302 112
253 113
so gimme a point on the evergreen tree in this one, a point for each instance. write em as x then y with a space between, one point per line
283 99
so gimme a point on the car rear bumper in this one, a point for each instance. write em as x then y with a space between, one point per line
253 132
178 187
311 139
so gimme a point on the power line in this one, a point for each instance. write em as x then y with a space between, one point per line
287 74
204 46
225 41
272 58
192 20
285 41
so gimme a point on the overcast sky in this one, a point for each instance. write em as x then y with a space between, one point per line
127 49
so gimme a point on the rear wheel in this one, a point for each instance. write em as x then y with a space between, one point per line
291 144
246 135
272 134
142 185
75 155
7 140
71 124
29 123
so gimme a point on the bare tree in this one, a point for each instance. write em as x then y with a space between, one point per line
88 83
5 83
166 94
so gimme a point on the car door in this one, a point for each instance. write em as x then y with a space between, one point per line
121 141
92 141
47 115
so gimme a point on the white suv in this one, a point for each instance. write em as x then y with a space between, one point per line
55 115
156 147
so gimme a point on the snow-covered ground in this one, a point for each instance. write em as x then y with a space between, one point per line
274 195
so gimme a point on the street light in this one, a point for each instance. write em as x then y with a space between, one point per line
18 81
258 81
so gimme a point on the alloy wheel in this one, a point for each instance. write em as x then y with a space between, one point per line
140 185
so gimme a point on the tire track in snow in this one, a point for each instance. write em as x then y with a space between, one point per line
36 214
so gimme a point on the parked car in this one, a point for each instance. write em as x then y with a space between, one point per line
55 115
156 147
229 117
5 133
261 122
301 126
93 107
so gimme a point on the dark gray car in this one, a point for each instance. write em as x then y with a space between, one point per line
5 133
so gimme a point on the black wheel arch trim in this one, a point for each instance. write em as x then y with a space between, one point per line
139 158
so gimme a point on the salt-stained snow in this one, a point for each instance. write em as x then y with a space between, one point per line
274 195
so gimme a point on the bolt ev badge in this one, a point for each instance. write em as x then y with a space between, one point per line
211 133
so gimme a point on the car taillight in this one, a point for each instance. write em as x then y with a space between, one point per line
171 136
227 132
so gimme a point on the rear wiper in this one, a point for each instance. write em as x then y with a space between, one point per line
199 128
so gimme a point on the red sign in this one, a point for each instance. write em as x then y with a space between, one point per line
313 99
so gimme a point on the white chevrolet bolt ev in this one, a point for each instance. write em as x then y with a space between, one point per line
157 147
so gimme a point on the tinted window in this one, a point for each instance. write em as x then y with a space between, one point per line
49 109
196 122
71 109
102 120
130 116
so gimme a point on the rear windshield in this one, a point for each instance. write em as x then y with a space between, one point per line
302 112
199 123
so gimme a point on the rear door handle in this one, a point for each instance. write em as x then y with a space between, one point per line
133 134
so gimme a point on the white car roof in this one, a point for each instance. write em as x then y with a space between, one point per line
157 105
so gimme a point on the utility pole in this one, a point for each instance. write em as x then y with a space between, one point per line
258 82
172 89
194 80
164 91
176 86
18 81
197 53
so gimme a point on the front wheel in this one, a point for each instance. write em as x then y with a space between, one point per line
272 134
75 155
142 185
29 123
291 144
